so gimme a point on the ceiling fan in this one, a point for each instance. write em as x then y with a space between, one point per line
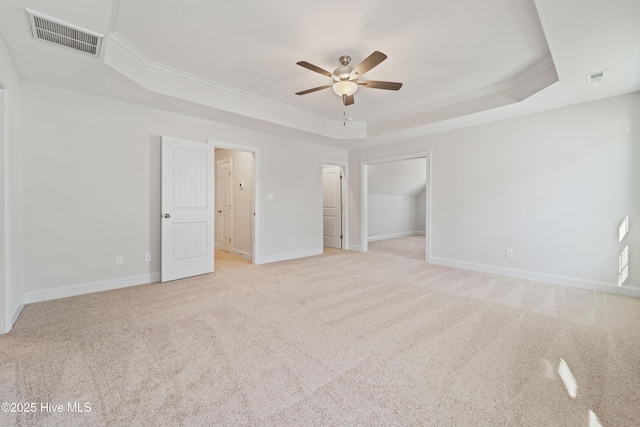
346 78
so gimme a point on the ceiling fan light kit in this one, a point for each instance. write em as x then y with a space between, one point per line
345 78
345 87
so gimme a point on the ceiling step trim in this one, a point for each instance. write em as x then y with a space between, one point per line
125 58
542 67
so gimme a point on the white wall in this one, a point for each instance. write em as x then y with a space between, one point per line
391 216
11 237
552 186
242 202
92 190
393 188
406 177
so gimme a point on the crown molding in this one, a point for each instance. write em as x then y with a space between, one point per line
515 82
510 92
125 58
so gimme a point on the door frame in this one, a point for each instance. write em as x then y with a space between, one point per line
345 198
364 198
218 186
256 258
6 305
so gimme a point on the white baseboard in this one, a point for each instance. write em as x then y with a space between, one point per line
395 235
91 287
18 310
288 256
355 248
574 282
246 255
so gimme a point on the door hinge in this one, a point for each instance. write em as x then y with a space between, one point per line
341 237
341 177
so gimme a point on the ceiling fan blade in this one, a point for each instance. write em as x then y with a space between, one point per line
371 61
347 100
315 89
312 67
374 84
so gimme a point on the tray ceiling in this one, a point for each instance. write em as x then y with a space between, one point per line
461 63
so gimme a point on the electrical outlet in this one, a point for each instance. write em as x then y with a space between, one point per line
147 257
508 253
119 260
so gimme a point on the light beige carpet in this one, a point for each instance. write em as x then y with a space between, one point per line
407 247
344 338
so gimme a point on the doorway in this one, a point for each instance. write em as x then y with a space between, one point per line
189 207
396 203
334 206
235 189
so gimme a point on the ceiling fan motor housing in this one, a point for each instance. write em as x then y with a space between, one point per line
343 72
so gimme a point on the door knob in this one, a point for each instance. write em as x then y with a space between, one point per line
167 216
219 211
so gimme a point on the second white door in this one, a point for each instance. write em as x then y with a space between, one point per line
332 207
225 215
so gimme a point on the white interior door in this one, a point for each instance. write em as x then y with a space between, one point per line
332 207
187 208
225 214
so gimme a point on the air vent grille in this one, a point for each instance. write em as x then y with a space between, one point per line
64 34
598 77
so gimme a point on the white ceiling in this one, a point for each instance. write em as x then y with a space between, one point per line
461 62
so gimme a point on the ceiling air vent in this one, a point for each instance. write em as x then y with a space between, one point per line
55 31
